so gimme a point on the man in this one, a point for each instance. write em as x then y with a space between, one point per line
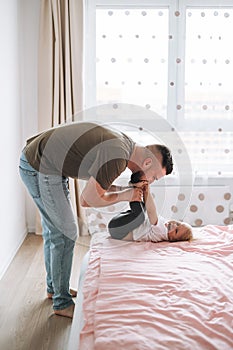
86 151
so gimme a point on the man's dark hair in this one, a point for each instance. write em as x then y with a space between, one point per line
167 161
167 158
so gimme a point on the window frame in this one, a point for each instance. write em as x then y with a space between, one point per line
176 48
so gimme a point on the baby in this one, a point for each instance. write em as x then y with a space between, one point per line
141 222
163 230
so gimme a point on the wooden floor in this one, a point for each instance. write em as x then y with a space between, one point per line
27 321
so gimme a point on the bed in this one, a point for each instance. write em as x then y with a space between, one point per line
155 296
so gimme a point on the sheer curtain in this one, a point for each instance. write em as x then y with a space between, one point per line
60 73
164 70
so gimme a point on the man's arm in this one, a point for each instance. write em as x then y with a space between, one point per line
94 195
117 188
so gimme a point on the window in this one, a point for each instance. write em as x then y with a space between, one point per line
172 59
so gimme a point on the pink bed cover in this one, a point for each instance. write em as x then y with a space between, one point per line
154 296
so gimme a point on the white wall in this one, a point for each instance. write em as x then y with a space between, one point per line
29 15
18 95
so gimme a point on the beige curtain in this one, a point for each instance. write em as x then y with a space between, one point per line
60 73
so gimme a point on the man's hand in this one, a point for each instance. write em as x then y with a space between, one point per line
140 184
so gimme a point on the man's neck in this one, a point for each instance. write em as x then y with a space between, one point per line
136 160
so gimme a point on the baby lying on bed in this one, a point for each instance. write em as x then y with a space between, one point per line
141 222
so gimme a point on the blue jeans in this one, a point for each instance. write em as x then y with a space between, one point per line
51 195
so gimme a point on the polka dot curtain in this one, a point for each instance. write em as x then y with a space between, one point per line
209 64
192 90
132 56
207 206
178 64
134 63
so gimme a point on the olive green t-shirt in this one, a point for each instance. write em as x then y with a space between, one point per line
81 150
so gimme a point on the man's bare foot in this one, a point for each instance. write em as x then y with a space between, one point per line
67 312
72 292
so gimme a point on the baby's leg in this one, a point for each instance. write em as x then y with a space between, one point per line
125 222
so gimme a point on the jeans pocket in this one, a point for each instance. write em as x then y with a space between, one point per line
30 179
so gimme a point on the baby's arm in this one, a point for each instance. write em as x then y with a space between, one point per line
150 206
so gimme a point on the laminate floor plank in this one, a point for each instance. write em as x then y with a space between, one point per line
27 321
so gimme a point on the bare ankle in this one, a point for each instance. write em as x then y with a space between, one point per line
73 293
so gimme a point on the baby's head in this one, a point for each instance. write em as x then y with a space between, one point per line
178 231
137 177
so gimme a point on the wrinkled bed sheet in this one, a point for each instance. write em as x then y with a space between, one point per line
154 296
